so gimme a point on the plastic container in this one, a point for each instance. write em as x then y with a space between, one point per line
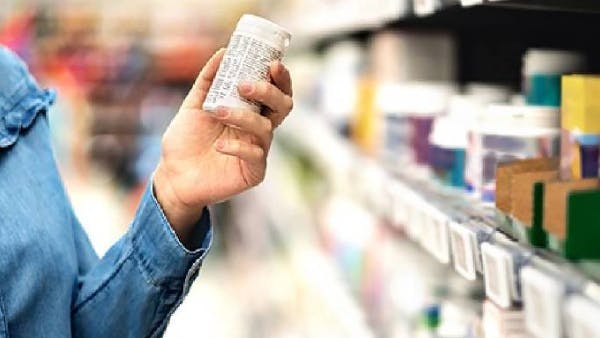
339 83
424 102
448 141
254 44
409 110
506 133
542 70
449 137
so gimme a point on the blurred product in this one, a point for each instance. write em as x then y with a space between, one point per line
396 127
448 143
426 102
254 44
399 56
542 70
580 127
505 133
503 323
339 83
366 122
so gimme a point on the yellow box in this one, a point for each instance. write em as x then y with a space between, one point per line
580 101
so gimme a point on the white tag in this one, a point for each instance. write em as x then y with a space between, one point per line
439 245
425 7
582 318
467 3
498 271
463 242
375 178
398 195
542 302
415 222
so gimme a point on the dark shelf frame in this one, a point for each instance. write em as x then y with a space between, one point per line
492 38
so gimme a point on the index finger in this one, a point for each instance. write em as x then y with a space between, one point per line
202 84
281 77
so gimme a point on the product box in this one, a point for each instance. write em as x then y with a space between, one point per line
580 126
507 190
556 196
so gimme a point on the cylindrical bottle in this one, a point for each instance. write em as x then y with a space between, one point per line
254 44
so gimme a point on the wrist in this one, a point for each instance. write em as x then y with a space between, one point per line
181 216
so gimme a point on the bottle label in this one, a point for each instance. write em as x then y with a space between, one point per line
247 59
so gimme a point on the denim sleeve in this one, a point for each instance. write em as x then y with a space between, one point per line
133 290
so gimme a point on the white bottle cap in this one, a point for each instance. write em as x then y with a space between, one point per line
416 98
550 62
266 29
516 120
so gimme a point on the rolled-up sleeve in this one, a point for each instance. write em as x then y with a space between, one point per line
133 290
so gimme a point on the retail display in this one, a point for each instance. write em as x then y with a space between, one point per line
447 149
438 177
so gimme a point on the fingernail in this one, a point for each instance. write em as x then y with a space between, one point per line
246 87
220 144
222 112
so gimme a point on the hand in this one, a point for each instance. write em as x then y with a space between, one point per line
209 157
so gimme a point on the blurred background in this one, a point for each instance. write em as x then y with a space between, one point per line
394 82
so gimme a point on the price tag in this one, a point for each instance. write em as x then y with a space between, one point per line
582 317
467 3
437 241
416 217
376 178
425 7
542 302
499 276
399 208
463 242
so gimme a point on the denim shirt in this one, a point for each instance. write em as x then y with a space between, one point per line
52 283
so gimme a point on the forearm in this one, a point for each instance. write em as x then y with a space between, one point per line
137 285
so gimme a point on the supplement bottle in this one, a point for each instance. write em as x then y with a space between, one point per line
254 44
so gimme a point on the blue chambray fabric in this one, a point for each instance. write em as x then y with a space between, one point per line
52 283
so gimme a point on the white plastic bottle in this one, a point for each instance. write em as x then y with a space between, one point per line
254 44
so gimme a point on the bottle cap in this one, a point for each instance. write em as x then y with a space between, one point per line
265 29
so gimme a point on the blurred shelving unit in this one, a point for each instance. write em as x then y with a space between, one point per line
455 228
491 35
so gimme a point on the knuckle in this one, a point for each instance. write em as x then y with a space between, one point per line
268 89
268 124
289 103
236 146
260 152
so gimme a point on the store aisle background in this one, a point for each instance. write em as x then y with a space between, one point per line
121 70
381 164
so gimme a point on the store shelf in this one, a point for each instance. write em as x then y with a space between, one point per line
550 5
429 213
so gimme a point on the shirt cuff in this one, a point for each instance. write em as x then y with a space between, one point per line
158 249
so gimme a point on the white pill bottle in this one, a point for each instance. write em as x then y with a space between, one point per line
254 44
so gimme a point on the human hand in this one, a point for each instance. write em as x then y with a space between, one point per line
209 157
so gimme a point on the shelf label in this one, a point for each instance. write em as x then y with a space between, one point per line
437 240
425 7
399 209
499 276
542 301
463 242
414 226
467 3
582 317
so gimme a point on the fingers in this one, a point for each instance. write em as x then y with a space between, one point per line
249 122
269 95
281 77
202 84
251 153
